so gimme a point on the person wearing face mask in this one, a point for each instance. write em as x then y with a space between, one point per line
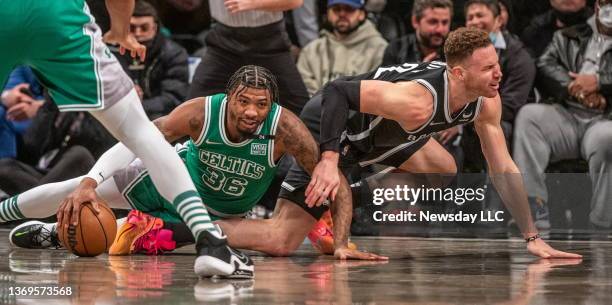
353 46
563 13
576 69
161 81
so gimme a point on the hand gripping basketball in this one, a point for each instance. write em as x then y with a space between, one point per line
68 212
86 225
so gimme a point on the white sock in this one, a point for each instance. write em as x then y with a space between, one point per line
44 200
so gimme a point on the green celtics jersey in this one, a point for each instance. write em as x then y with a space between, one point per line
231 177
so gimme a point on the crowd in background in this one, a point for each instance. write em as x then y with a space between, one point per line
555 56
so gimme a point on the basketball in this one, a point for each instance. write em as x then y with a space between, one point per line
93 234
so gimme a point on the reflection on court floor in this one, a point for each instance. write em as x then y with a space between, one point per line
421 271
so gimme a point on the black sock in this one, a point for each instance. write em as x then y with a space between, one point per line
181 233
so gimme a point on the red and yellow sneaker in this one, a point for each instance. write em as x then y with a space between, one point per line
137 225
155 242
322 237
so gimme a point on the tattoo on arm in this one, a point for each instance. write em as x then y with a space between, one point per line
298 141
195 125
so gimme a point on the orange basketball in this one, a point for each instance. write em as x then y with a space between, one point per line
93 235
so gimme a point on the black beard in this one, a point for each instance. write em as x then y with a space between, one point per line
426 42
232 117
245 135
349 30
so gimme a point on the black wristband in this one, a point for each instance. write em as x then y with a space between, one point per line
532 238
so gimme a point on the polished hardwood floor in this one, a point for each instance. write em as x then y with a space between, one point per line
420 271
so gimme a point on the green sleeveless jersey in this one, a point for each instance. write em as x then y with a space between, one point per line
231 177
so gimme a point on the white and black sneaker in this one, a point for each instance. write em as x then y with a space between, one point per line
217 259
34 235
227 291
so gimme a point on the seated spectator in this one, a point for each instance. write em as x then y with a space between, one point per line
354 46
431 21
577 69
516 64
58 146
21 98
564 13
162 80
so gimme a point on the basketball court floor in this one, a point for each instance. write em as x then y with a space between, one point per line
420 271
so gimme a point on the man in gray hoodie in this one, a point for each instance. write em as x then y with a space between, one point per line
353 47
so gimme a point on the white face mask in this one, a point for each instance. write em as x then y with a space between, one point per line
605 15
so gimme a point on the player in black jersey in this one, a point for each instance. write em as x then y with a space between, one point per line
396 110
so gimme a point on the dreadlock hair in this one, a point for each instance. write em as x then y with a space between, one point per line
256 77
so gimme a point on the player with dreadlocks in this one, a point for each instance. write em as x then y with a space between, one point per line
236 139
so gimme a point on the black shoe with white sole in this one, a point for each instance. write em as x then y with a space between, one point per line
217 259
34 235
223 291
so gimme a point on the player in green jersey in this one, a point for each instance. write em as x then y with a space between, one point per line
235 143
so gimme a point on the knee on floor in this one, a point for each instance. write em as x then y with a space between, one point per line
283 244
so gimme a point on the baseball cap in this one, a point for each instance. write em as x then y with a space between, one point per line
351 3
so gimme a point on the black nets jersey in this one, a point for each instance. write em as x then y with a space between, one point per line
375 138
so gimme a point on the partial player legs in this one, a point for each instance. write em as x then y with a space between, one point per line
434 161
431 158
280 236
597 149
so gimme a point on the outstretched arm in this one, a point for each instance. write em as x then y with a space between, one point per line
507 178
295 139
375 97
